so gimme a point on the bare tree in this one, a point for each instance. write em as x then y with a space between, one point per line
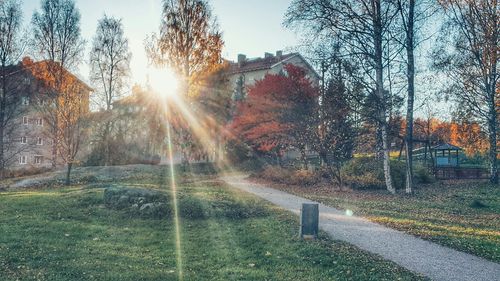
469 55
110 66
109 61
73 108
12 45
57 39
363 27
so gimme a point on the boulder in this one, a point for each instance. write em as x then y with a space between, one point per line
141 201
155 210
123 202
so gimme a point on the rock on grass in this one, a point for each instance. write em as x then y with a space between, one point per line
140 201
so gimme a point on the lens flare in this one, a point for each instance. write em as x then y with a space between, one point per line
163 81
173 184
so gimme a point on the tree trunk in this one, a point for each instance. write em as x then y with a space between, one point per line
68 174
303 157
2 153
107 144
492 155
387 160
338 174
382 109
411 95
3 102
409 168
54 149
379 147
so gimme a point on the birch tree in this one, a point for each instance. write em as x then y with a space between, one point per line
412 17
57 39
469 55
363 26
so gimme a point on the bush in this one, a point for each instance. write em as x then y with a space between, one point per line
359 173
475 160
398 174
156 210
368 173
422 175
191 208
26 172
252 165
203 168
477 204
305 177
121 154
89 179
239 209
276 174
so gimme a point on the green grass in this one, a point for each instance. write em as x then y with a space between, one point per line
68 234
463 215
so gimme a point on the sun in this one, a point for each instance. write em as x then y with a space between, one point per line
163 81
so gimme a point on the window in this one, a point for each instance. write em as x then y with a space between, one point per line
24 140
39 141
38 159
25 120
26 101
23 159
39 121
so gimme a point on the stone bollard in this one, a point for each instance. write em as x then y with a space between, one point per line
309 219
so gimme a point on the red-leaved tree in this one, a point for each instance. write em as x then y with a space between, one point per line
278 112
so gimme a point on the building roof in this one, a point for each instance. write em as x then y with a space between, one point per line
446 146
268 62
257 63
38 68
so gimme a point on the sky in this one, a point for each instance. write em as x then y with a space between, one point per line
249 27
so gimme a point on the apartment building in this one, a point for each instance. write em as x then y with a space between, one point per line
244 72
28 141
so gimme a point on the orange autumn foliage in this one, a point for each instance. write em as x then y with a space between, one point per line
466 134
275 113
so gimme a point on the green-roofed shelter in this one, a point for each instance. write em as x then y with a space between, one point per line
446 155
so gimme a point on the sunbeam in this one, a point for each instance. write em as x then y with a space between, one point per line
173 184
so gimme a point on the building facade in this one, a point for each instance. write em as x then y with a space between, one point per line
244 72
28 140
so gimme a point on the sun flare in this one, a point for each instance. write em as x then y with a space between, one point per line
163 81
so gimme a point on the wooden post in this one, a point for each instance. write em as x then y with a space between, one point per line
309 220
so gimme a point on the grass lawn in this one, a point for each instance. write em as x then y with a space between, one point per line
463 215
69 234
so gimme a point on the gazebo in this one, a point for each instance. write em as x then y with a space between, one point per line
446 155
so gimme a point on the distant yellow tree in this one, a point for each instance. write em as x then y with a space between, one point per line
189 41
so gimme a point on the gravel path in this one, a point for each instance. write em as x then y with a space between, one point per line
429 259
